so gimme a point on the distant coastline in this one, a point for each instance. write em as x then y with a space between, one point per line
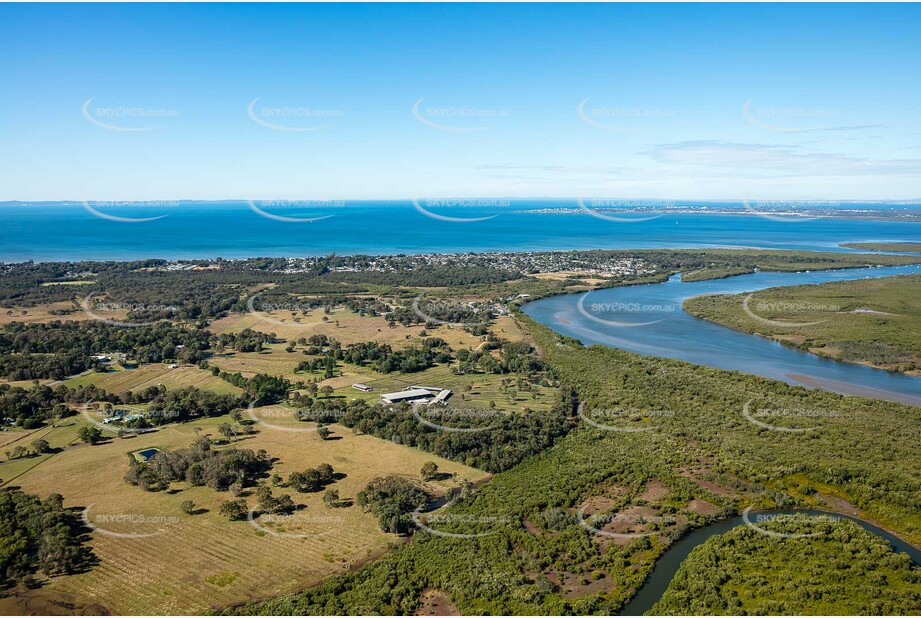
69 231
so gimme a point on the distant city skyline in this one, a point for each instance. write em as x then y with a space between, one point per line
364 102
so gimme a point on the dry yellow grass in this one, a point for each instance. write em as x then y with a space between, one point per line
152 375
273 360
41 314
196 563
353 328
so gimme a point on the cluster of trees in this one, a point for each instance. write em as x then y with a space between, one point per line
227 469
32 407
326 364
39 535
277 505
262 387
383 358
515 357
57 349
391 499
247 340
312 479
38 446
850 571
503 440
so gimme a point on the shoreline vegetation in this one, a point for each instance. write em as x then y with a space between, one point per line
903 247
653 448
663 476
870 322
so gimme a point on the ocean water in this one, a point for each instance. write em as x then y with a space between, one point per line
233 229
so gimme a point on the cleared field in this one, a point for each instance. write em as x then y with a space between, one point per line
42 313
194 563
353 328
273 361
122 380
470 390
584 275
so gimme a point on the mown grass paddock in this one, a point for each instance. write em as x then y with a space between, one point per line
119 380
195 563
354 328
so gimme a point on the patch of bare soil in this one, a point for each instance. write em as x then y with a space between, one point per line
22 601
531 527
435 603
574 586
603 501
702 507
654 490
697 477
839 505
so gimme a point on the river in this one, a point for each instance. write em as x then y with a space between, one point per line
669 563
648 319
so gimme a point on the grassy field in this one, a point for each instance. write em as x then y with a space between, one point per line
120 380
483 388
349 327
41 314
195 563
871 321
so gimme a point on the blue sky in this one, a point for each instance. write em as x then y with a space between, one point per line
144 102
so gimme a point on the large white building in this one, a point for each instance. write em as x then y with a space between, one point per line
424 395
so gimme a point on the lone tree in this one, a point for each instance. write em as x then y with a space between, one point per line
188 507
327 390
323 432
226 430
429 471
40 446
90 435
331 498
233 509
